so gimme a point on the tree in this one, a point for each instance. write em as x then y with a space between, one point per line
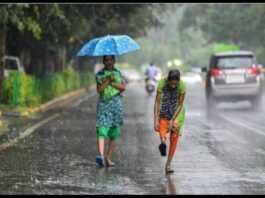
22 16
66 27
240 24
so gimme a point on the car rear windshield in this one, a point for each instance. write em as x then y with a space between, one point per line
234 62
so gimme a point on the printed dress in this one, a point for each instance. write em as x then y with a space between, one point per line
169 101
109 111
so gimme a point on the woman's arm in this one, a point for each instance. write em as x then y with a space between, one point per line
120 86
156 118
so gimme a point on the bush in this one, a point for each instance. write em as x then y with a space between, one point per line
23 90
69 78
52 86
20 90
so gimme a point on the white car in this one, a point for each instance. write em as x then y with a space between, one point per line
12 63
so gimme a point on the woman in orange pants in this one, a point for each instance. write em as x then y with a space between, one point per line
169 112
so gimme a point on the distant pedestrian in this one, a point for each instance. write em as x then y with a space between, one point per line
169 113
109 115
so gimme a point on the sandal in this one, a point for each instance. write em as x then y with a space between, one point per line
163 148
168 170
100 161
110 164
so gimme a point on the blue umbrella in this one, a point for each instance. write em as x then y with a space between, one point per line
109 45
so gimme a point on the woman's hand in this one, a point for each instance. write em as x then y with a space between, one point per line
173 126
156 126
106 81
111 78
120 86
101 87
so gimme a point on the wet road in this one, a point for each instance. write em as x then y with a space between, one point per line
220 153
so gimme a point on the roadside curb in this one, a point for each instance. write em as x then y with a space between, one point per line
57 102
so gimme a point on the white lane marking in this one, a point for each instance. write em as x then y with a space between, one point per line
27 132
232 120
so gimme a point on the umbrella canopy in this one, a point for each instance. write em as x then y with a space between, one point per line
109 45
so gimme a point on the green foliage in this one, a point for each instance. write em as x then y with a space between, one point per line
29 93
34 95
23 16
69 78
58 86
86 79
20 90
8 89
221 47
68 26
239 24
52 86
77 80
23 90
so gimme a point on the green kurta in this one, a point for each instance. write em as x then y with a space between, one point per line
109 106
182 89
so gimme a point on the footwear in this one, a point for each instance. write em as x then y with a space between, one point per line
169 171
100 161
163 149
111 164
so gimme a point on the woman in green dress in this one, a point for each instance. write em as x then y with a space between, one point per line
169 112
109 116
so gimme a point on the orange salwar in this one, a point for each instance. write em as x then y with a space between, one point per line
163 130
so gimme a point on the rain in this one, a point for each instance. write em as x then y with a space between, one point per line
50 100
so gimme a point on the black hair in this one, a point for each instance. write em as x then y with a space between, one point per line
108 55
173 75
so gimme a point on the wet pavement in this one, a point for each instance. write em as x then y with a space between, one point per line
220 153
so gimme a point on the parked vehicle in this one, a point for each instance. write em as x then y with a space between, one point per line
12 63
233 76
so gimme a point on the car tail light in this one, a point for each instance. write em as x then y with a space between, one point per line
254 70
216 72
